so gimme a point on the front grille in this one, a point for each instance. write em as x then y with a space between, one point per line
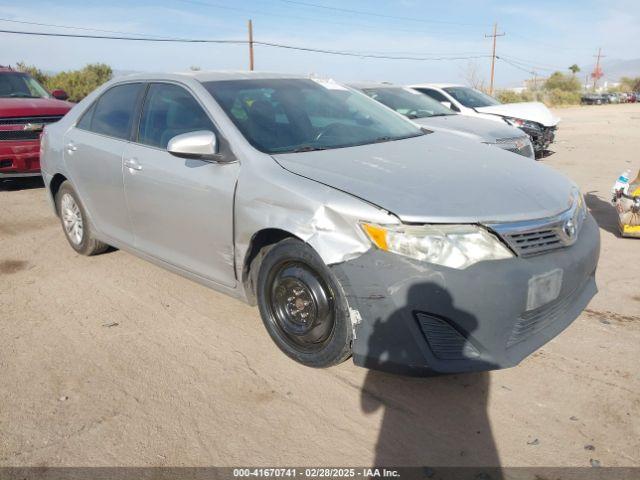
538 241
532 322
19 135
519 145
540 236
445 342
24 120
510 140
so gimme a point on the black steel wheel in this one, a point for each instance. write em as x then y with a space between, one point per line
302 305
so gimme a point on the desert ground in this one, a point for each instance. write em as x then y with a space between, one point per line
110 360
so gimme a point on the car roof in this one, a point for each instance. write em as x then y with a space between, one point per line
365 85
435 85
208 76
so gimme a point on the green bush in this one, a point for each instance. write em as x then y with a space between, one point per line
560 81
509 96
77 83
557 97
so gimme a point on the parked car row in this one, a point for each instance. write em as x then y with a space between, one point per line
602 98
524 128
412 247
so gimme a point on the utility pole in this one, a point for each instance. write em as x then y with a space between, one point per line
493 56
596 72
250 45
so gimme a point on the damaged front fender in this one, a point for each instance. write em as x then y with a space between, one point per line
325 218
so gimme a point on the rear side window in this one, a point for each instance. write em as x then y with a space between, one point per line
114 111
433 94
85 121
438 97
170 110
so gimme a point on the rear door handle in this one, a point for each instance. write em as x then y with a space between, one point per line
132 164
71 147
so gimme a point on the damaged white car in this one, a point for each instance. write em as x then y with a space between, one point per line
534 118
356 232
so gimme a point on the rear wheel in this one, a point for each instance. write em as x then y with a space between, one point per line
75 222
302 305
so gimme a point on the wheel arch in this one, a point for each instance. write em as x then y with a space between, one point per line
57 180
252 260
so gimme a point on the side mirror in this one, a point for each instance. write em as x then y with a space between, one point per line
59 94
446 104
201 144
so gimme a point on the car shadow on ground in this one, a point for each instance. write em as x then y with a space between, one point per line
15 184
430 422
604 212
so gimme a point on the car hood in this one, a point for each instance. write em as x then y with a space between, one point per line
27 107
534 111
438 178
478 128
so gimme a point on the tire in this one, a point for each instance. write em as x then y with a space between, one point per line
302 305
75 223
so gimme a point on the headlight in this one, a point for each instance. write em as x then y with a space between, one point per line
520 123
453 246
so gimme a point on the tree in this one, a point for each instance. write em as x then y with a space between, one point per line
474 78
560 81
77 83
574 69
36 73
630 84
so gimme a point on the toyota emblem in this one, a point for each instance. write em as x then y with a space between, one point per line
569 229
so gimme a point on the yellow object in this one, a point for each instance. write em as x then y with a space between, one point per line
378 235
630 229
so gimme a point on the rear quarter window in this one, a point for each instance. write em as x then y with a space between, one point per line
113 113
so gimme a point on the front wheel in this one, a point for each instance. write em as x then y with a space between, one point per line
75 222
302 305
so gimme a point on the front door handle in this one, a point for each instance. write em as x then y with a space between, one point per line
71 147
132 164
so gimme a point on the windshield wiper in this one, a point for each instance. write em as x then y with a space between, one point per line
383 139
307 148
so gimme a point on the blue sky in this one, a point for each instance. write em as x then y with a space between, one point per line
543 35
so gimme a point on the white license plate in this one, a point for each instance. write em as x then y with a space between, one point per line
544 288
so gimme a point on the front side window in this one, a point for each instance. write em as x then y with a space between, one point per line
289 115
408 102
170 110
20 85
114 111
471 98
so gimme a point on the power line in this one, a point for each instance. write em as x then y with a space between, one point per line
536 65
241 42
515 65
25 22
378 15
164 37
253 12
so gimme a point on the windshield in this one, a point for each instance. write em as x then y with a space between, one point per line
293 115
471 98
20 85
408 102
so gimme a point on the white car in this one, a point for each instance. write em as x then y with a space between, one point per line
534 118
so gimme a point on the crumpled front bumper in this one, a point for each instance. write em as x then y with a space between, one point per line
541 138
417 318
19 158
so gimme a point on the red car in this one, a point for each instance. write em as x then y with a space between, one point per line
25 108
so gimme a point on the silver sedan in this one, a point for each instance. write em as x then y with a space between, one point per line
356 232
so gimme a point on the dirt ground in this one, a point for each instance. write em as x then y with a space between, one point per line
110 360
